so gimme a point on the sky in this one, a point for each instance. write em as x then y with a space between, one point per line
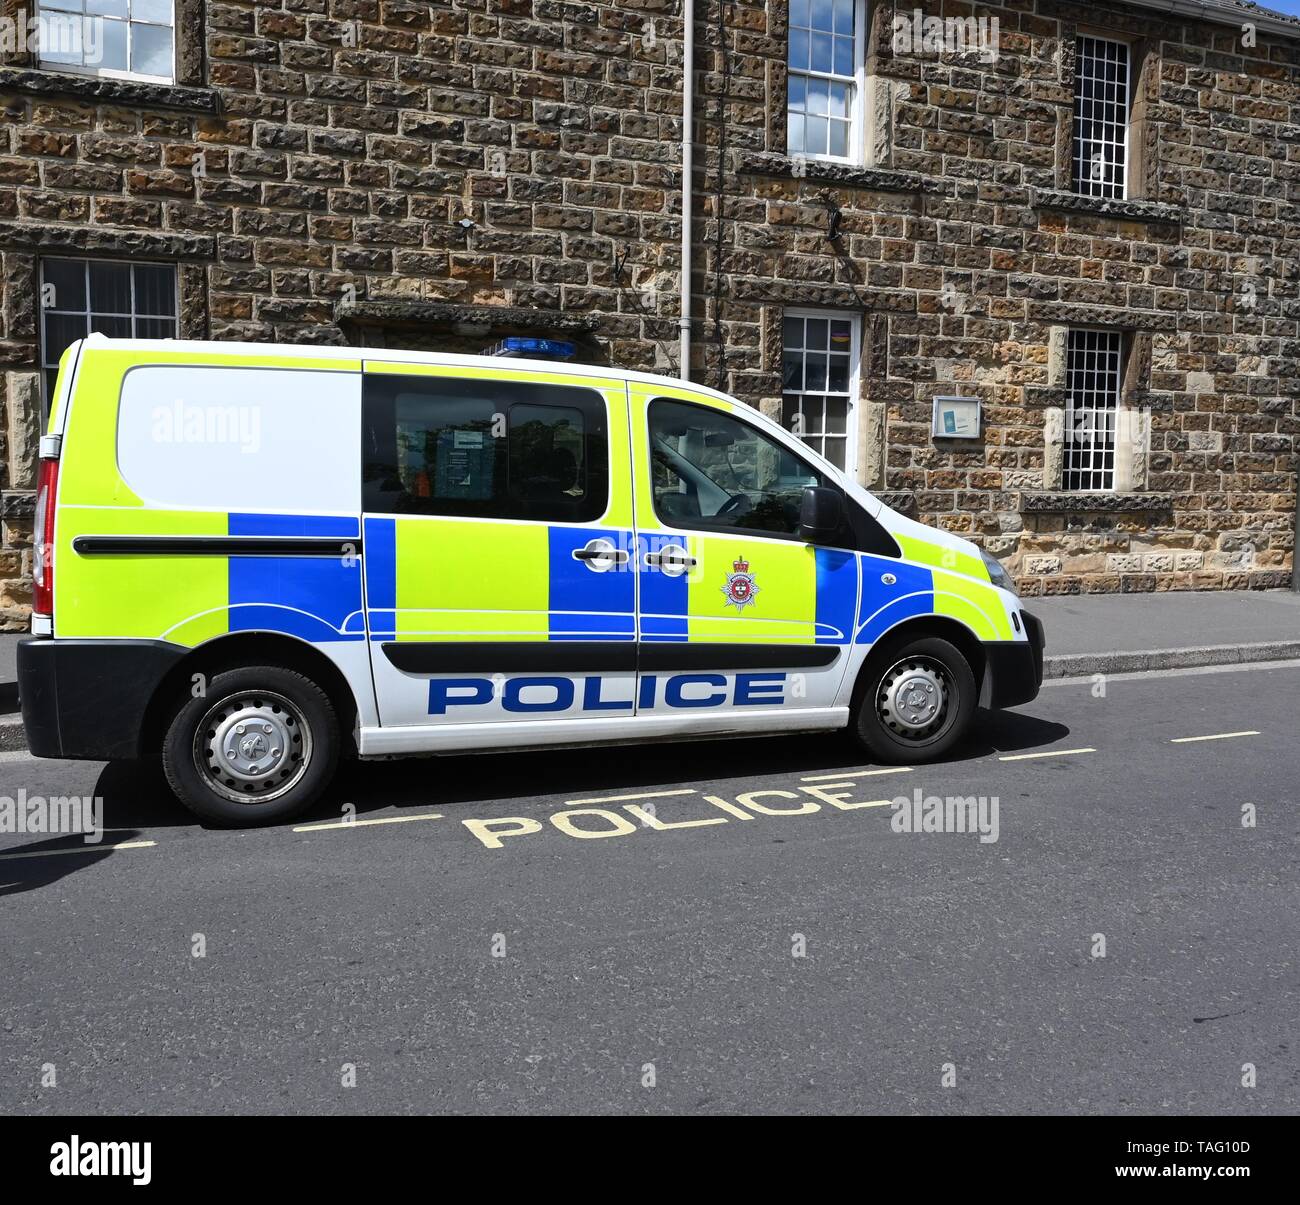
1283 6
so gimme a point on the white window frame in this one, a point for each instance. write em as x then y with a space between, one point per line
105 72
854 393
87 312
1076 184
1068 428
857 155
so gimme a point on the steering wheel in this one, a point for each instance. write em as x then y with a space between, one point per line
737 504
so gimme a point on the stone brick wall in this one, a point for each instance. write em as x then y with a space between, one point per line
434 175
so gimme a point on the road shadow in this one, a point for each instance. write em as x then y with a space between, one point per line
38 866
136 793
471 778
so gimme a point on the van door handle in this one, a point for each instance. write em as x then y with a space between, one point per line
670 559
601 551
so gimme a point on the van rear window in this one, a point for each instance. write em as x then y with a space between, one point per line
233 438
494 449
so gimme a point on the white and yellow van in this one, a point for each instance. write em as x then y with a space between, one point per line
252 560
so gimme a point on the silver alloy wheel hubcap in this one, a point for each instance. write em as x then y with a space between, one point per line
253 746
913 697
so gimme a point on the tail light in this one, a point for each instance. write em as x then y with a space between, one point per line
43 538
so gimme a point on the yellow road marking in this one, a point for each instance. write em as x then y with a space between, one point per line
856 774
1047 753
315 828
1217 736
866 803
78 849
623 798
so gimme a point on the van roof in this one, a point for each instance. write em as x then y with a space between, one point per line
393 355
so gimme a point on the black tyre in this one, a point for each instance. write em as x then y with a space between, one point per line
259 747
916 700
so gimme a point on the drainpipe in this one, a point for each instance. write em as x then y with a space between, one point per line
688 167
1295 544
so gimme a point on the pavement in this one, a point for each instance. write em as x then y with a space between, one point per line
709 928
1123 633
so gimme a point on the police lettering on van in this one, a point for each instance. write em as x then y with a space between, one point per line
531 695
435 553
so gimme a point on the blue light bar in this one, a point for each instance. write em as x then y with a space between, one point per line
537 349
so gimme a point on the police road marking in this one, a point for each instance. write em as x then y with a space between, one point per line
571 803
1217 736
856 774
1047 753
316 828
597 823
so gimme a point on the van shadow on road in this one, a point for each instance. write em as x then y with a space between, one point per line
19 874
136 794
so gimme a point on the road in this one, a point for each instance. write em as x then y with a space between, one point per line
430 963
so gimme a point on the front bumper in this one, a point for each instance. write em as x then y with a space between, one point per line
87 699
1014 668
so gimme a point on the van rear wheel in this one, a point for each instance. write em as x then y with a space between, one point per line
917 700
259 747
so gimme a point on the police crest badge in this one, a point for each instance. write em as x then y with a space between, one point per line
741 587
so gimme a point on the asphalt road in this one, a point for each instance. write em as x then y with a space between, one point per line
941 973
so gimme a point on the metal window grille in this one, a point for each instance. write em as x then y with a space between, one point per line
820 383
1094 368
823 84
1101 111
123 301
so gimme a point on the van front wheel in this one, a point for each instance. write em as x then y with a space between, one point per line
260 746
917 700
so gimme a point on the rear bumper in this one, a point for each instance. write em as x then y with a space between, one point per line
1015 667
87 699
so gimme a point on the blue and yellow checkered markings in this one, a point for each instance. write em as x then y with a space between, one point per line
883 605
837 596
584 604
581 604
665 607
315 598
381 577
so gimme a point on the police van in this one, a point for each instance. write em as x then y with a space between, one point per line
253 560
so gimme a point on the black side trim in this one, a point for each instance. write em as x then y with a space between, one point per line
87 698
325 546
667 655
595 656
558 656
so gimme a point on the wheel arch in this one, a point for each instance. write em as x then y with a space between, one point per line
916 627
235 650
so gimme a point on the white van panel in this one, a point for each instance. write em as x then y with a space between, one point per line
241 439
456 738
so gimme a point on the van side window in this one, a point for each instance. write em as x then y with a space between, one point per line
253 439
492 449
712 471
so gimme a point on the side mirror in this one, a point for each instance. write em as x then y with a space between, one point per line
821 514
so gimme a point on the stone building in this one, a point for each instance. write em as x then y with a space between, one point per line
1083 215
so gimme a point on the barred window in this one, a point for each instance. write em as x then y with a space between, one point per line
820 382
1094 370
120 38
1102 92
826 60
123 301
